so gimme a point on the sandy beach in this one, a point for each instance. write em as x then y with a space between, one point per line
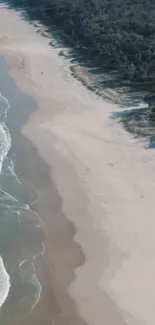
96 185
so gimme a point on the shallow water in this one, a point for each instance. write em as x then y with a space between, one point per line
21 233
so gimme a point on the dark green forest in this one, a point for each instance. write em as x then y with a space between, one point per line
118 34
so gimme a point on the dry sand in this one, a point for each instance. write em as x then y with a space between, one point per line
106 181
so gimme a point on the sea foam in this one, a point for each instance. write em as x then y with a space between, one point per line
4 283
5 144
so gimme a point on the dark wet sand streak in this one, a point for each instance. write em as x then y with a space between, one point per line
60 231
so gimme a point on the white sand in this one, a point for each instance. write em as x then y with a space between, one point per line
107 183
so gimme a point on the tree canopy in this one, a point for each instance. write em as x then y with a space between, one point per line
117 34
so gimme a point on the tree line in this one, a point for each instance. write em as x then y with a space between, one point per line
117 34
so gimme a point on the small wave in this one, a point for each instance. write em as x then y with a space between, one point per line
3 112
36 282
5 137
16 195
4 196
4 283
5 144
28 273
22 190
22 262
11 170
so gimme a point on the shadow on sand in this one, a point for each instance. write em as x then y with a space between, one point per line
137 122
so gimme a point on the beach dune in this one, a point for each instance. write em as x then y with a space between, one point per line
97 204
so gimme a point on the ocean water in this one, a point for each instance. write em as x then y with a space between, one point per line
21 233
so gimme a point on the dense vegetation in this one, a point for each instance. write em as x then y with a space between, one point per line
116 33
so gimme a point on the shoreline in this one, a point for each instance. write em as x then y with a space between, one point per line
100 187
65 299
39 177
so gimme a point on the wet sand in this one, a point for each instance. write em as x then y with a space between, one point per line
62 254
96 187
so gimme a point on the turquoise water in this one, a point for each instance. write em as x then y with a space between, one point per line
21 232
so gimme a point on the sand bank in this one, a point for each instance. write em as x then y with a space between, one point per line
106 183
